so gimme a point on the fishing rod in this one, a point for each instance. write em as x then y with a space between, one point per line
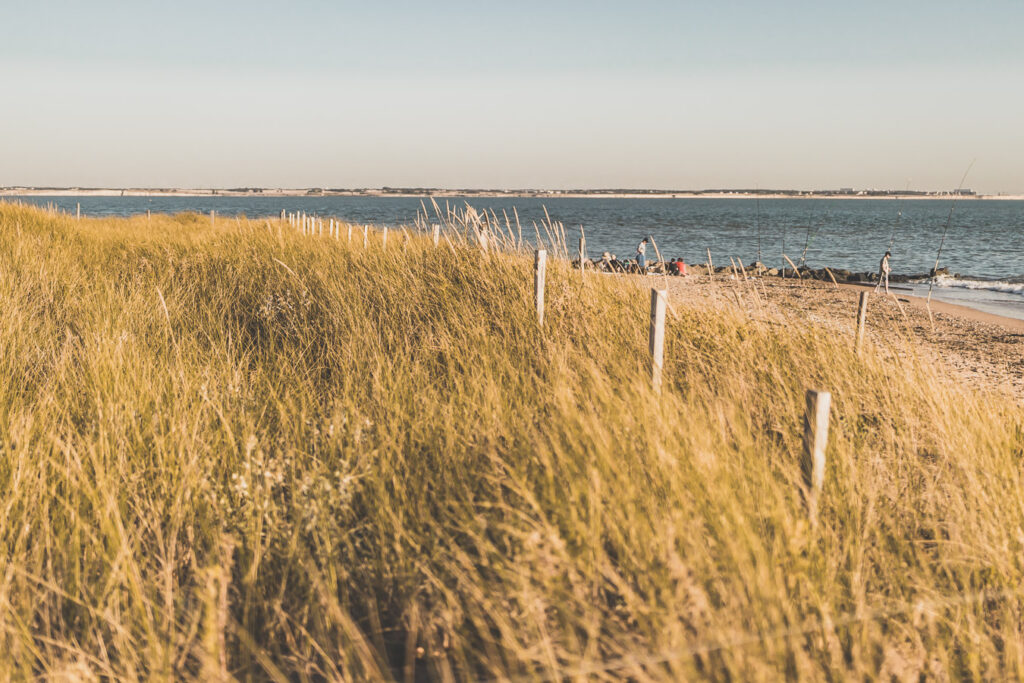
783 245
942 242
759 226
807 238
899 215
810 237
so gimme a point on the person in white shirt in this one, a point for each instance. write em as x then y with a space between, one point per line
641 258
883 272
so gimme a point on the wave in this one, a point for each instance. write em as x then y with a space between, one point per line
1011 286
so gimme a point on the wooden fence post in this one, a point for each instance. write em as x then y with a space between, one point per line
819 403
78 211
583 252
213 217
282 215
656 336
540 260
366 236
350 233
862 314
437 234
384 238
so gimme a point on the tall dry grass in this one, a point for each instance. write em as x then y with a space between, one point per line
233 452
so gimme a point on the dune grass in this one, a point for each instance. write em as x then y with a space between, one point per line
232 451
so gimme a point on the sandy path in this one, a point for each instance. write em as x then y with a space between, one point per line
981 348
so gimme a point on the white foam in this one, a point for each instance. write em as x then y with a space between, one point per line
989 285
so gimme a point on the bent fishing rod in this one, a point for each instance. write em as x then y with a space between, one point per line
949 218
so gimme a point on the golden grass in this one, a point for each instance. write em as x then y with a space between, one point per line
232 451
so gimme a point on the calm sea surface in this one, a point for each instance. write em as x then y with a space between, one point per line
985 243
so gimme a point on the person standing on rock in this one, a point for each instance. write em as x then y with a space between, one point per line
641 257
883 272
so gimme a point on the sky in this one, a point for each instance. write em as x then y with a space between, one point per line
560 95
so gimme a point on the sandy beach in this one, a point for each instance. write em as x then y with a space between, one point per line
980 348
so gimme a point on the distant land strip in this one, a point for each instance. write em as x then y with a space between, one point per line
843 193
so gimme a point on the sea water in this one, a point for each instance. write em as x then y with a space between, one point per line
984 243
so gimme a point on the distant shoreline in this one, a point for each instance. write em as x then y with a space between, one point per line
489 194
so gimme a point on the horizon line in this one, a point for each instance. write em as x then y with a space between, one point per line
427 190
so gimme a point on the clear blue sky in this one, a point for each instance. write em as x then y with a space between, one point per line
513 94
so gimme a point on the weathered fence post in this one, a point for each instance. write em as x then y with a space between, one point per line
384 238
819 404
366 236
282 215
583 252
540 260
78 211
149 215
350 233
331 228
213 217
437 234
862 314
659 299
